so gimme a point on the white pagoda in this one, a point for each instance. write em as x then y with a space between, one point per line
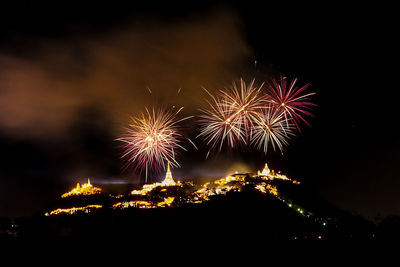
168 181
265 171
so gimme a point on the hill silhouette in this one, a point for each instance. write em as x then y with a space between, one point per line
247 222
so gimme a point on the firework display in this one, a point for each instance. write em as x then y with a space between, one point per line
152 140
240 115
255 115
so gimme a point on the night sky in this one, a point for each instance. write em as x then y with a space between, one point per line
71 74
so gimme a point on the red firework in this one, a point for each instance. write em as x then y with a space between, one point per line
290 99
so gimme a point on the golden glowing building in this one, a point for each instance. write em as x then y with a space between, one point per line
270 174
168 181
85 189
265 171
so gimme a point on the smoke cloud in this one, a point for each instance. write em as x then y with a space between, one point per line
41 93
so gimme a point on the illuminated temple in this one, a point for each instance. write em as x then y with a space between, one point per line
80 190
168 181
265 171
146 189
85 189
268 174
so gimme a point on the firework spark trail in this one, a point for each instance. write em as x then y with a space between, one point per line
271 128
291 100
153 139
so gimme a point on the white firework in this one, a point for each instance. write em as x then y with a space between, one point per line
271 128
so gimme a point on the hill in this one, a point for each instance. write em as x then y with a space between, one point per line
243 214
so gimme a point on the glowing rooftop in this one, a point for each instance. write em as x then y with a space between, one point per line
85 189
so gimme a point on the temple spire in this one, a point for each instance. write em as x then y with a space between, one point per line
265 172
168 176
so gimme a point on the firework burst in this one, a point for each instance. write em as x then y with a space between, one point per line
291 100
153 139
245 102
271 128
217 126
231 114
